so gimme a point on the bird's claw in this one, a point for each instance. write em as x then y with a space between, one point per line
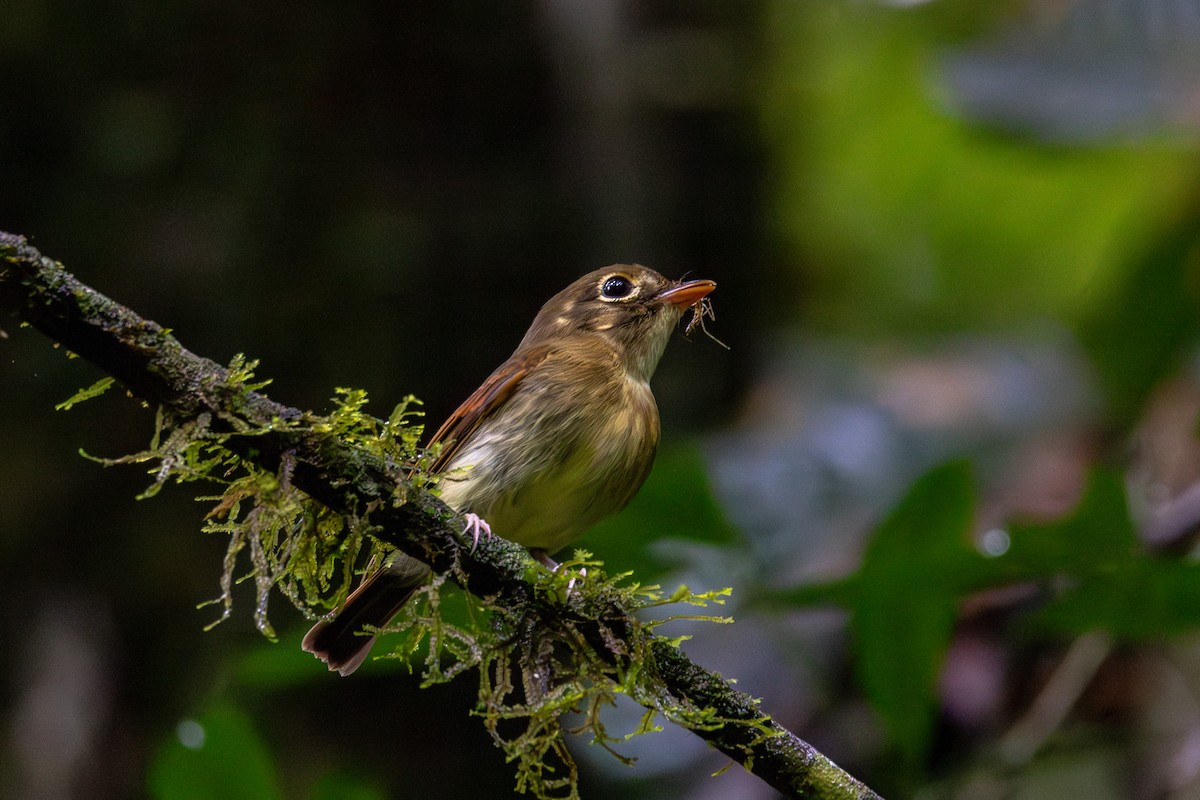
544 558
477 525
571 583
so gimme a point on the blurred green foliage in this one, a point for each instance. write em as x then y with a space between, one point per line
1149 320
221 755
906 596
217 756
1090 570
1106 578
914 221
676 502
917 220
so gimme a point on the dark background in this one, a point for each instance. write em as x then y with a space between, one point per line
938 232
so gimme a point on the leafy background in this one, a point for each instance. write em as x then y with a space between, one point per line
948 465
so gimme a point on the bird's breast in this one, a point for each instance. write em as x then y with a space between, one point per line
570 447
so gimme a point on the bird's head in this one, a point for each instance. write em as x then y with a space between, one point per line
632 307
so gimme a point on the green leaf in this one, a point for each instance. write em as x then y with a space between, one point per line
904 610
1150 321
279 666
675 502
1144 598
218 756
1111 582
840 592
1098 537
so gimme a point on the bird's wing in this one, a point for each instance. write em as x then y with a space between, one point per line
467 418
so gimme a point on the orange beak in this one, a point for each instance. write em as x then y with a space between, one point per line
687 294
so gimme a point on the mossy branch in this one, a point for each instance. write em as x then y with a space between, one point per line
353 481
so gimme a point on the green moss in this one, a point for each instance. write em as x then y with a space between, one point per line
573 642
574 647
95 390
292 542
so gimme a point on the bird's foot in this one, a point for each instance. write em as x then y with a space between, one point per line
571 583
477 526
543 557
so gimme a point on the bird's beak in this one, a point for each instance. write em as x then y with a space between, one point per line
686 294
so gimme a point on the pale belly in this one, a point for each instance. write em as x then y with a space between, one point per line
546 498
548 512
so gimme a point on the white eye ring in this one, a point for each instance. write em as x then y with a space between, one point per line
618 288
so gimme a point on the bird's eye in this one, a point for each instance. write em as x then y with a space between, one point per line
618 287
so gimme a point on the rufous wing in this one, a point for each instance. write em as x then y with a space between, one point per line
482 403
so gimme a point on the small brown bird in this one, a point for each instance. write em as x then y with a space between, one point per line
560 436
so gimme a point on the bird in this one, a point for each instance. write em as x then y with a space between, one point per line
559 436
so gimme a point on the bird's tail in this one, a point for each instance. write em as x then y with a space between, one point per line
341 640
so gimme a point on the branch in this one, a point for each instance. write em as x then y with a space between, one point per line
153 365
